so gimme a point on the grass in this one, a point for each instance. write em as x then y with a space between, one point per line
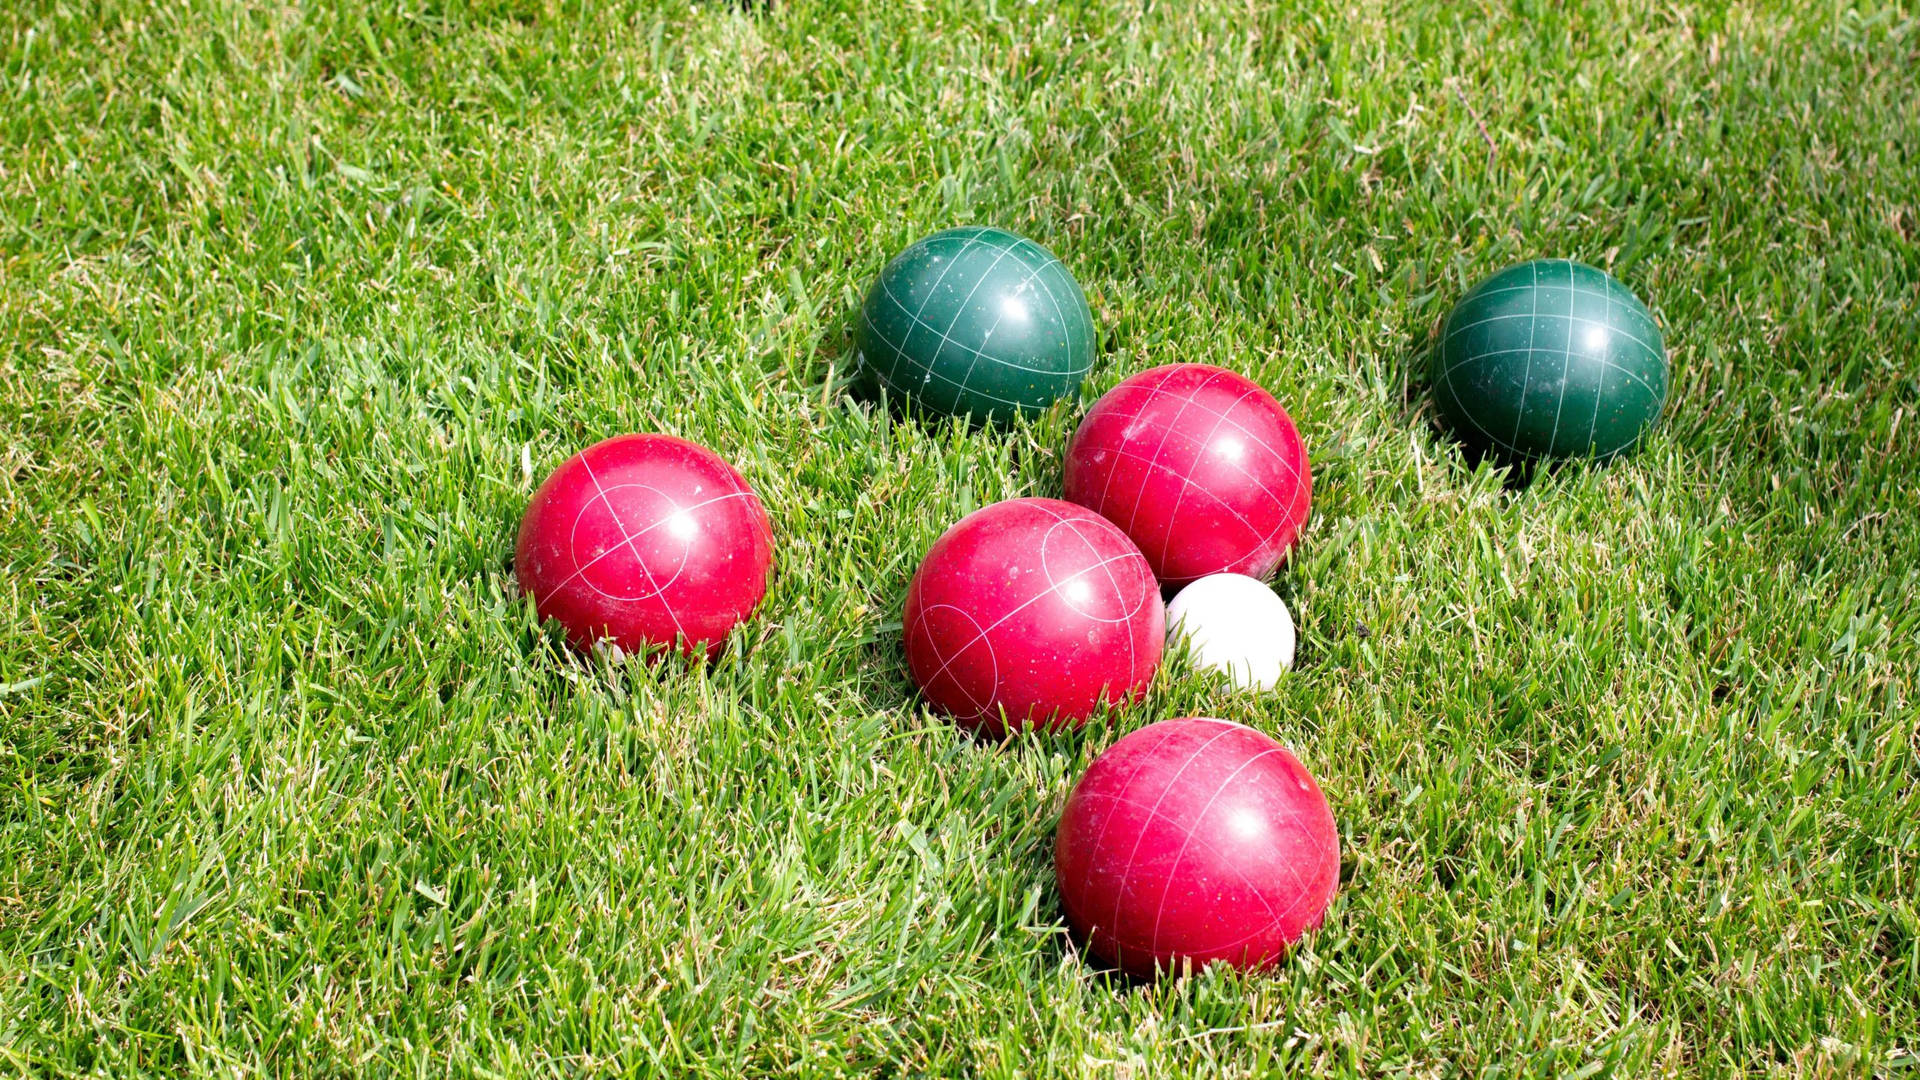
298 301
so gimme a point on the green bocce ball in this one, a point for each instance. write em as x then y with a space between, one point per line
975 322
1550 359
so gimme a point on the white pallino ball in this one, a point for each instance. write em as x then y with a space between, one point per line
1234 623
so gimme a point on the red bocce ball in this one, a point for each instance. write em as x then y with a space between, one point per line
1195 840
645 540
1199 465
1029 612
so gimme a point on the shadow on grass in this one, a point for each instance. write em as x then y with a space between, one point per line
1413 368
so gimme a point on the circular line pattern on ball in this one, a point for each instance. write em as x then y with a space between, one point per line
1199 465
645 540
976 321
631 564
1550 358
1033 610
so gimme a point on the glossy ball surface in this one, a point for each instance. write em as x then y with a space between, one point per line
1195 840
1199 465
1030 612
975 322
1550 359
645 541
1235 625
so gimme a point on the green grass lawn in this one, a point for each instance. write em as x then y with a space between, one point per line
298 301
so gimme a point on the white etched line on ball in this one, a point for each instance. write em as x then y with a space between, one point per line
914 315
966 378
1600 391
582 568
1164 957
1133 856
638 558
1158 462
1244 430
1144 759
1446 377
1097 522
1471 419
1566 364
1222 503
1030 601
573 541
1100 504
901 354
1477 357
1301 895
952 261
1220 856
1059 320
933 645
1119 598
1186 484
961 345
1133 516
1199 819
1526 378
1048 262
1456 331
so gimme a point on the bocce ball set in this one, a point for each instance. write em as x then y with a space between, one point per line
1192 840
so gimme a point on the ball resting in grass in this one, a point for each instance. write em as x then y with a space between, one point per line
1235 625
1550 359
641 542
1199 465
1195 841
1031 612
975 322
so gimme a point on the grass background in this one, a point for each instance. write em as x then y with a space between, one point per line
299 300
